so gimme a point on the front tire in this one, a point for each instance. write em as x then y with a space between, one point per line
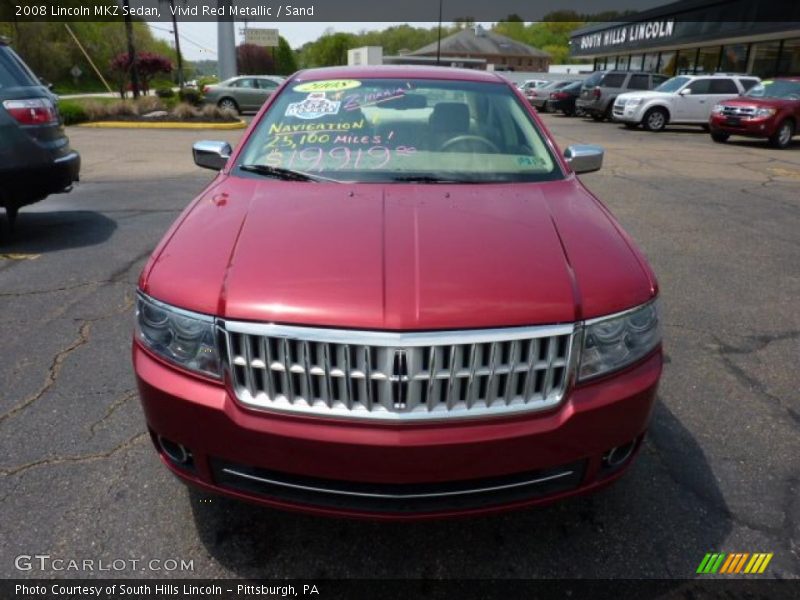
783 135
720 137
655 119
228 104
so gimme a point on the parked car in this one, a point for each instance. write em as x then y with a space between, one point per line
538 97
339 325
685 99
36 159
601 88
564 99
769 110
531 84
245 93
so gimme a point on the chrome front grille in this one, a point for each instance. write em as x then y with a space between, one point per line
381 375
738 111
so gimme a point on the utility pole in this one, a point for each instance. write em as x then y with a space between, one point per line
439 38
177 44
131 51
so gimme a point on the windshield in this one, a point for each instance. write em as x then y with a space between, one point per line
788 90
593 79
393 130
672 85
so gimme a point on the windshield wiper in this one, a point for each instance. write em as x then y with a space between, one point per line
430 179
284 174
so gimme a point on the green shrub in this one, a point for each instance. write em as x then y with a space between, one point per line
191 96
165 93
72 112
201 81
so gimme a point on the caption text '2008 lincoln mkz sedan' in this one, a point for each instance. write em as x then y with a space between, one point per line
396 300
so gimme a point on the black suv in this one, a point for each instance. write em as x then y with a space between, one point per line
601 88
35 156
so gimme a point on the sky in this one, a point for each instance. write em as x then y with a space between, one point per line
199 40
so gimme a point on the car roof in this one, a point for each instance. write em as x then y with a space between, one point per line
713 75
398 72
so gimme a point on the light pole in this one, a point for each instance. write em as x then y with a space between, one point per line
226 45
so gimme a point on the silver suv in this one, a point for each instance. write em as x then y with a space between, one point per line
685 99
601 88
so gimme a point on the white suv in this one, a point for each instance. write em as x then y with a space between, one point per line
685 99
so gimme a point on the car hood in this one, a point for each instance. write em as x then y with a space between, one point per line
398 257
759 102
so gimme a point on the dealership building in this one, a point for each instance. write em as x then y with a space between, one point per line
698 36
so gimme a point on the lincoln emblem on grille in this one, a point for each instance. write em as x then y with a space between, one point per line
399 378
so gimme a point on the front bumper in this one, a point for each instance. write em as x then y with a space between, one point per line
375 470
751 127
626 113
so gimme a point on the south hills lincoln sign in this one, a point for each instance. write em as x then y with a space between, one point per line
626 35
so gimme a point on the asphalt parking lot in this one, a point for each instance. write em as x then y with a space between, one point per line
719 471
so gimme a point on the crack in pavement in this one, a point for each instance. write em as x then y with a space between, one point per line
65 288
113 407
58 460
716 507
52 372
757 343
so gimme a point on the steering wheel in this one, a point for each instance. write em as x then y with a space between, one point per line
470 139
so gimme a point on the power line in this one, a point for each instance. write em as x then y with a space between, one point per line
185 38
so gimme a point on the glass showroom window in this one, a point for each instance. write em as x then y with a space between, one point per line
708 59
687 61
790 58
734 59
622 63
765 59
636 62
666 66
611 62
650 62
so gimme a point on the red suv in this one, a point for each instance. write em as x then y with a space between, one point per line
769 110
396 300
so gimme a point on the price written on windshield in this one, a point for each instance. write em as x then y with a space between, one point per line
338 158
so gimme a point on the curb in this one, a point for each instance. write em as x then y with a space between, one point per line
161 125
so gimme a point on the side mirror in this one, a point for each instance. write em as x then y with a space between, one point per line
211 155
584 158
685 92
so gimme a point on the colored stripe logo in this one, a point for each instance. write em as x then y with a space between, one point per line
734 563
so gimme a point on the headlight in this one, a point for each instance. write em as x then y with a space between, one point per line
181 337
764 112
611 343
635 101
717 109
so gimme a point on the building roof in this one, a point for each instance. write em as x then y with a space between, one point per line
477 40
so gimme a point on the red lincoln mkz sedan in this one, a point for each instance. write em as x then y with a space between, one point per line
396 300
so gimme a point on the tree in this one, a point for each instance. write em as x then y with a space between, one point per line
285 61
51 52
252 59
148 64
131 66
